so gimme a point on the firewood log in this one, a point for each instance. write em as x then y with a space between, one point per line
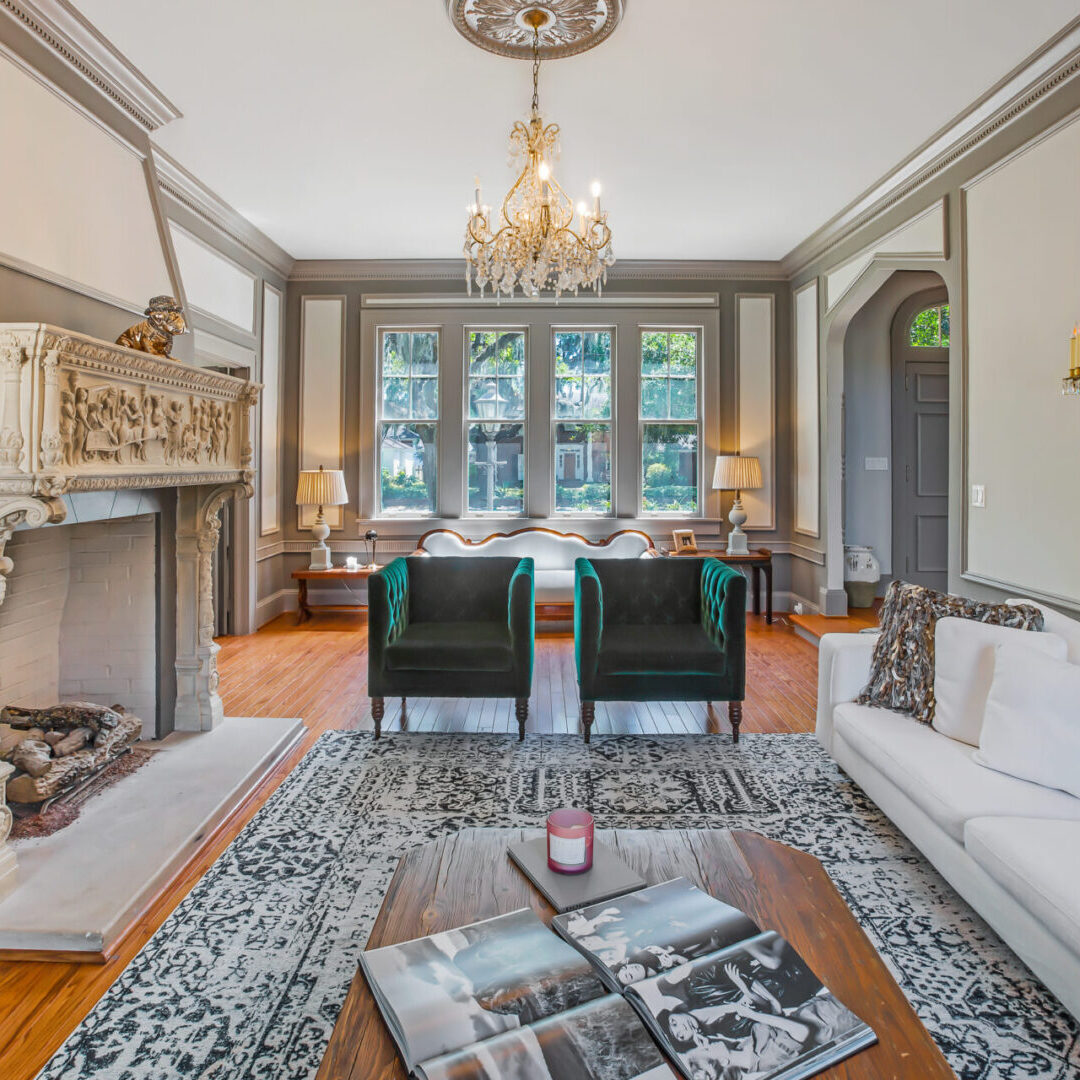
76 740
53 737
33 757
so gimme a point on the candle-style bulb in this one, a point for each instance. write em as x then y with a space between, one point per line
596 189
544 170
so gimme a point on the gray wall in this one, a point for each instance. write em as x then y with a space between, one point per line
274 571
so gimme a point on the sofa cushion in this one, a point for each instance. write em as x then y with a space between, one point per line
964 669
550 550
1032 725
902 672
940 774
452 646
1030 859
1056 623
659 593
683 649
449 590
554 586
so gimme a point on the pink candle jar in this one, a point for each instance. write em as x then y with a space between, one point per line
570 841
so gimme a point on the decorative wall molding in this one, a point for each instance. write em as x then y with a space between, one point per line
191 193
86 51
454 270
547 300
1045 71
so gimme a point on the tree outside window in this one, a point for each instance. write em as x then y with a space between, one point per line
930 328
408 422
495 435
670 428
582 424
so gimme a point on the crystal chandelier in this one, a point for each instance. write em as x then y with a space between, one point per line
534 243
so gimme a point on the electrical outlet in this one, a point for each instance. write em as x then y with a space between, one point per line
877 464
978 495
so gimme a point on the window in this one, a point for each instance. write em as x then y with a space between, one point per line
495 436
930 328
670 427
582 421
408 422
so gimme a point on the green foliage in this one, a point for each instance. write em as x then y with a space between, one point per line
930 328
400 492
586 498
657 475
670 499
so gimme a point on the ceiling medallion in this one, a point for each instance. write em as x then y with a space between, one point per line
504 26
534 243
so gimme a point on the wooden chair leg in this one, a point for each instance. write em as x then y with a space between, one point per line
588 714
404 715
521 709
378 707
734 711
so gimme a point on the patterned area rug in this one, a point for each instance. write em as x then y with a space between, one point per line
246 977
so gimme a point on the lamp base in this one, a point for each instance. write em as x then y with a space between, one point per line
736 541
320 557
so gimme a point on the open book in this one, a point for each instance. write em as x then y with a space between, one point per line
724 1000
502 999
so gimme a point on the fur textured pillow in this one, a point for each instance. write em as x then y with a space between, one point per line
902 670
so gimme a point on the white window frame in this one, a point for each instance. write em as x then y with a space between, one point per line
380 331
698 330
467 421
582 328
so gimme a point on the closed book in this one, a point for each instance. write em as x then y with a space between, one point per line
608 877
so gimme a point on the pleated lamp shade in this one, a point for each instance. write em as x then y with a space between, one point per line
321 487
736 473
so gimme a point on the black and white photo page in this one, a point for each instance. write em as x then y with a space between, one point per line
602 1040
754 1011
653 930
449 990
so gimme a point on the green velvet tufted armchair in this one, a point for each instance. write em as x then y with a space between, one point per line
451 627
660 630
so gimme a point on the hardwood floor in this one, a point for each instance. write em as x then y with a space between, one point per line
319 672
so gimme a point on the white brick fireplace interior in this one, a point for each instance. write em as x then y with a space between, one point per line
80 617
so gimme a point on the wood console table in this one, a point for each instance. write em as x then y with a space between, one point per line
336 573
759 561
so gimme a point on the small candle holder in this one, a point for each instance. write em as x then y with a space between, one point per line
570 841
352 563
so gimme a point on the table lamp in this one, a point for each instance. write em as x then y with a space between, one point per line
321 487
736 473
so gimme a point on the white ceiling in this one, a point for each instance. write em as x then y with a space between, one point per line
721 129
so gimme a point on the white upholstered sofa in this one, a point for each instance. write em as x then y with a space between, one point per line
554 553
1010 847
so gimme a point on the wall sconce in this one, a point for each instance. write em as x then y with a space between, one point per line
1070 385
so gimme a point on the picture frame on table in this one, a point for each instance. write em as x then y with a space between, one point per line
684 541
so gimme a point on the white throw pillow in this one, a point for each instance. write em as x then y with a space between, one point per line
1031 728
1056 623
964 669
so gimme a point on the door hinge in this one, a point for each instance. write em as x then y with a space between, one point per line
907 473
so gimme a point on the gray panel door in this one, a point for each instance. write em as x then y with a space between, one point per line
921 471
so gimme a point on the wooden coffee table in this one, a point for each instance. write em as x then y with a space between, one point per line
468 876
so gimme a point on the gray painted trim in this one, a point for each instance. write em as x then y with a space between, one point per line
450 300
1052 65
1023 591
97 61
209 207
454 270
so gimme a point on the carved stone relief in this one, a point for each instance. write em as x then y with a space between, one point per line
569 27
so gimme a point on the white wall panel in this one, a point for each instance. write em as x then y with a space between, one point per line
1023 294
756 406
214 284
807 416
270 414
76 204
322 356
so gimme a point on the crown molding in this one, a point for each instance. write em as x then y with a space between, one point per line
76 41
191 193
1047 69
454 270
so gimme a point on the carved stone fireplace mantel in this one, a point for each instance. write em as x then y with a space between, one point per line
78 414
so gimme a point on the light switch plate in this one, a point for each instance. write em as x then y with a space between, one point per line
877 464
978 495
